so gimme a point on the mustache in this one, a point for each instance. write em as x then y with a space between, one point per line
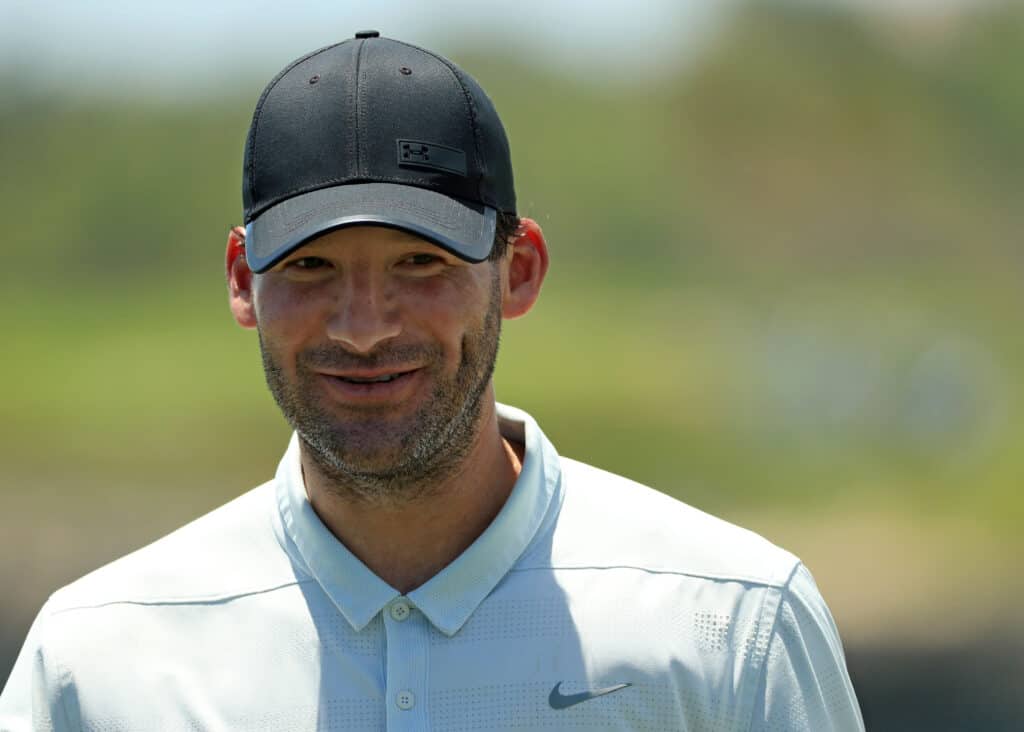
337 357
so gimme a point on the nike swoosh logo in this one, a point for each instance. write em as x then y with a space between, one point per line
558 700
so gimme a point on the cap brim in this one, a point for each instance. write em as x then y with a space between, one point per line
463 228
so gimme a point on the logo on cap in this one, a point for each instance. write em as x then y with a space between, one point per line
420 154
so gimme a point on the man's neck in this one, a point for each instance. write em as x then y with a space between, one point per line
405 544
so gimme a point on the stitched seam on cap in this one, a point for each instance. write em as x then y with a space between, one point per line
472 114
256 116
356 110
476 130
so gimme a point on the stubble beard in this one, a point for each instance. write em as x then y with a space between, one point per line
421 451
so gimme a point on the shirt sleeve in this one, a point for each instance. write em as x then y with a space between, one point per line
31 700
805 684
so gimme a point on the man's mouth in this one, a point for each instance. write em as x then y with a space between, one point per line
371 378
375 379
372 386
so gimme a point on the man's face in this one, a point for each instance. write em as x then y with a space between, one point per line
379 348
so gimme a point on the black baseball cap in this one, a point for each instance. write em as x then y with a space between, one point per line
374 131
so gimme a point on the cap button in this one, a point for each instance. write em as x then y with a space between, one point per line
368 34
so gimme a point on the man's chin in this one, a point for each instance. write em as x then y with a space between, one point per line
365 445
372 474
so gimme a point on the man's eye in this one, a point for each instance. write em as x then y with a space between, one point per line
422 259
308 263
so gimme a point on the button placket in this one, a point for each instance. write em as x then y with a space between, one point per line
407 641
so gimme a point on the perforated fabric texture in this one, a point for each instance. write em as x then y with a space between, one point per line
539 618
806 685
514 707
334 714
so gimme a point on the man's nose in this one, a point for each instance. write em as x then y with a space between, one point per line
363 313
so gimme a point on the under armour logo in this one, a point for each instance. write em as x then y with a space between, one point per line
421 154
415 151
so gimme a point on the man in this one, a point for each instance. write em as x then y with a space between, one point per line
423 558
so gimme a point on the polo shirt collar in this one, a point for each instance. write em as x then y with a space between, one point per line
450 597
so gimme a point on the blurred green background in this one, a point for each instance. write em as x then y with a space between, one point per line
787 287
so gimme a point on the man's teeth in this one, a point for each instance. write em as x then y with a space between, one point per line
377 379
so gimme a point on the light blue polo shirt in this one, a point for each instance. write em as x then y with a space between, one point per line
590 602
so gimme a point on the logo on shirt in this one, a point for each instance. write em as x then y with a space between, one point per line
558 700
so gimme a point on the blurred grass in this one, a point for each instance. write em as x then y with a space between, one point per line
788 276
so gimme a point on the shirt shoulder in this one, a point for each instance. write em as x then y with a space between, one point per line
805 684
231 551
607 520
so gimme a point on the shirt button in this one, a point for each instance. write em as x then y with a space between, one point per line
405 700
400 610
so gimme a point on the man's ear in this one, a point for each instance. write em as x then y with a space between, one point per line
239 279
528 263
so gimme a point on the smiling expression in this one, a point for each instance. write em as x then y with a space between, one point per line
379 349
